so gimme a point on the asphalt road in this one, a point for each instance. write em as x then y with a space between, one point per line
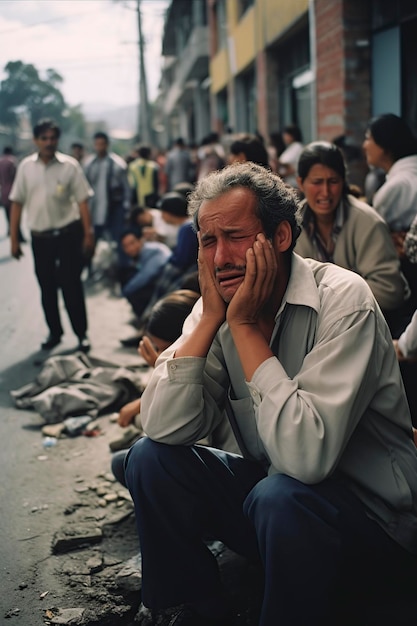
37 483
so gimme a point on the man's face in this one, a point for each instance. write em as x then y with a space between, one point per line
78 153
323 188
132 245
228 228
47 144
100 146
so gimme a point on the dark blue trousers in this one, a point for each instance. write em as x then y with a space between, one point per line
321 554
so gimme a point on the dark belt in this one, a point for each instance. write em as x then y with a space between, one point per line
56 232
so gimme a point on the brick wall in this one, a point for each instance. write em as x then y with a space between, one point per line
343 75
330 68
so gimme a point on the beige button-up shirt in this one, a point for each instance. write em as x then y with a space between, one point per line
330 402
50 192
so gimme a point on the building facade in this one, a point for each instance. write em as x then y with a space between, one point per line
183 104
258 65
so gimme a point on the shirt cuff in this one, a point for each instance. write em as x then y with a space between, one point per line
264 378
186 369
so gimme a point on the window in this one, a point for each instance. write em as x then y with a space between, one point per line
295 80
246 102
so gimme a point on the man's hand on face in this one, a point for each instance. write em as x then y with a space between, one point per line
213 304
147 351
253 294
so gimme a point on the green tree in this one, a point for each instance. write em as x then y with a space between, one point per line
25 90
76 121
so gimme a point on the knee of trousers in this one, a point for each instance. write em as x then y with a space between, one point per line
140 458
117 465
284 505
148 459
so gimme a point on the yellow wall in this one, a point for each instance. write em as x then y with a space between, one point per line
219 71
275 16
261 25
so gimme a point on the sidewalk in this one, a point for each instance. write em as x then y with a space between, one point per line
67 526
69 539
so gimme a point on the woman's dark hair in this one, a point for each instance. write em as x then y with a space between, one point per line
394 135
294 131
322 153
168 314
253 149
277 141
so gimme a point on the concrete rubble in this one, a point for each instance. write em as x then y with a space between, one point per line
108 586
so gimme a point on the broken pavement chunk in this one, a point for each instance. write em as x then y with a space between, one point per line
68 617
72 538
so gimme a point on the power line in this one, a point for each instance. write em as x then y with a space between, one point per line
54 19
64 18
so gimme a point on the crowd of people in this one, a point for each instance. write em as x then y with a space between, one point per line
276 304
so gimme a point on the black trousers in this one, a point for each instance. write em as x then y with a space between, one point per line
59 262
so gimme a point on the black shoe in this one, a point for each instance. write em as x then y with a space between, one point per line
51 342
84 344
131 342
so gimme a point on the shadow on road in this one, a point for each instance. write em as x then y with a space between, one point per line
20 374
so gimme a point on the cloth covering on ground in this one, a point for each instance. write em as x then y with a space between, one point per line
75 384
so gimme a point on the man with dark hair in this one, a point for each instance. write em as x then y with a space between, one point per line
54 191
146 260
183 260
298 353
107 174
77 151
248 147
144 178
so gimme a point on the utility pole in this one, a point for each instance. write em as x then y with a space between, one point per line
144 120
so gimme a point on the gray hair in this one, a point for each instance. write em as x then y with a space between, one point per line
276 201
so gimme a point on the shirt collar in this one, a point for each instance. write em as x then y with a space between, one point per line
301 289
58 157
309 221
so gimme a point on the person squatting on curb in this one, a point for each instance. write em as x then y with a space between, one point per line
300 355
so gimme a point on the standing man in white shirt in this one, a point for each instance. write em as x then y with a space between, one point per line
52 188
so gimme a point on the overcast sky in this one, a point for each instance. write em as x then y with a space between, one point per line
91 43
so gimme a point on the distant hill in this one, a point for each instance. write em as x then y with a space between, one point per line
123 119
